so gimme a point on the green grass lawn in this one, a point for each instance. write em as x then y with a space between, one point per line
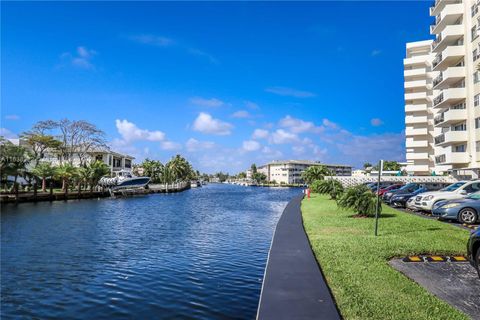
355 262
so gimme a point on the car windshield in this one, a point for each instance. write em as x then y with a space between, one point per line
453 186
408 186
475 196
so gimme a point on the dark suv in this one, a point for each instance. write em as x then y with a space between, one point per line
473 250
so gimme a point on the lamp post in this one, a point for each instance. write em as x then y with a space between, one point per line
377 211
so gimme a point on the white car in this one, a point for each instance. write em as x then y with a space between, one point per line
457 190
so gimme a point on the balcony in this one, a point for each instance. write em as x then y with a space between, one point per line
451 137
410 143
415 72
456 158
416 95
448 16
440 4
417 60
415 84
451 55
417 156
449 36
415 107
448 77
449 97
416 132
415 119
451 116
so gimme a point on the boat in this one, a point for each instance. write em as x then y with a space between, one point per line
124 180
195 184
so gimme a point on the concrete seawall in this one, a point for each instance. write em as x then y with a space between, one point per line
293 286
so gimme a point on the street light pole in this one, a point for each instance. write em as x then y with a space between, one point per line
377 211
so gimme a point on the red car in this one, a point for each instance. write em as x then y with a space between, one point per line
389 188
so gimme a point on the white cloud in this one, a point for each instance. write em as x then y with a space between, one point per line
82 58
329 124
241 114
251 145
203 54
150 39
205 123
251 105
12 117
130 132
260 134
376 122
7 134
281 136
298 126
283 91
193 145
170 145
375 52
203 102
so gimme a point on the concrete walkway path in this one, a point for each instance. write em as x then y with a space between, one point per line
293 286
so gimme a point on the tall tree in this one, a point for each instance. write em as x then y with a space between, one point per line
13 161
39 143
253 167
65 172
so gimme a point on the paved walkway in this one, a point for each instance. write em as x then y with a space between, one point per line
293 286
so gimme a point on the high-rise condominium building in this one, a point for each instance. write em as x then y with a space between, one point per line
442 93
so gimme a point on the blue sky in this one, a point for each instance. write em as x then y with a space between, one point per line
225 84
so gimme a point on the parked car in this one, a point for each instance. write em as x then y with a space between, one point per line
464 210
400 199
457 190
409 187
473 250
389 188
410 204
383 184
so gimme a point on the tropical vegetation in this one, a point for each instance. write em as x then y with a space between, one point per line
313 173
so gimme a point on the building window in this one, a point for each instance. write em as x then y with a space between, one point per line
128 163
474 9
475 55
460 127
459 148
477 123
476 100
474 33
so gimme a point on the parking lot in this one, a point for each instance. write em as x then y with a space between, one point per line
429 216
456 283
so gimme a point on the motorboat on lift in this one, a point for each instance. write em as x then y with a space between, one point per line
124 180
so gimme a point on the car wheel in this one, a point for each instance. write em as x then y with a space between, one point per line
467 215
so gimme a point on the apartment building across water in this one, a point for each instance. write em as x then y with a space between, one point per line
442 93
290 171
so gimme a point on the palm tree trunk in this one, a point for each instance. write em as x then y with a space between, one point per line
35 189
44 184
15 188
51 188
79 188
65 183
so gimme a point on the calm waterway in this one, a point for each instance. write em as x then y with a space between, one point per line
199 254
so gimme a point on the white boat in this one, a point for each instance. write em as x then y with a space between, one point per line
124 180
195 184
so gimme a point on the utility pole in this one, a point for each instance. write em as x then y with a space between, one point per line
377 211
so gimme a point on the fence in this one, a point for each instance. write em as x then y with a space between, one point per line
352 180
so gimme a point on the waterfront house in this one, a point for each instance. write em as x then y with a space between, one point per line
115 160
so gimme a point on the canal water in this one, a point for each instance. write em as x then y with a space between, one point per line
199 254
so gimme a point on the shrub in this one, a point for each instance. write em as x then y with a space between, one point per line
359 199
331 187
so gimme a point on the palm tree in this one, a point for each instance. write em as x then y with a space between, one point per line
85 175
65 172
44 170
99 170
179 167
13 161
315 173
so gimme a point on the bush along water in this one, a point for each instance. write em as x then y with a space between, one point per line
331 187
361 200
